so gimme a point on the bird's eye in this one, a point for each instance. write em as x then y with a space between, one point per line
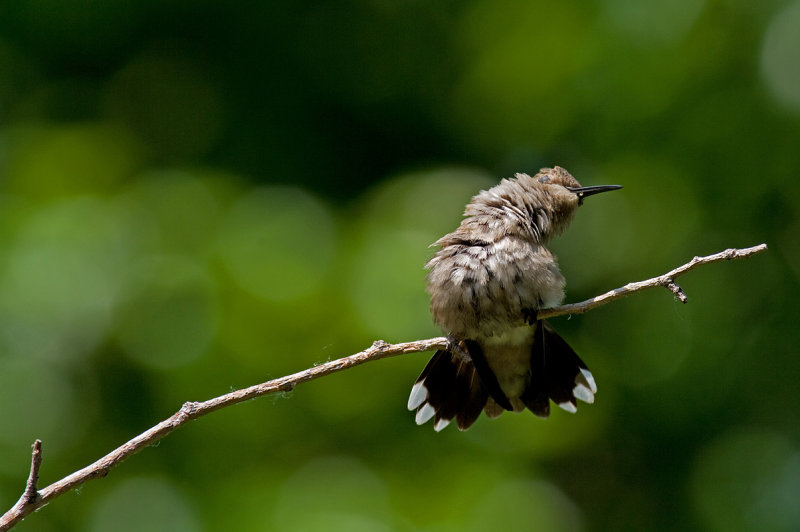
544 179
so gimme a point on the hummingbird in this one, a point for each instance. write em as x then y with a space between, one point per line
487 282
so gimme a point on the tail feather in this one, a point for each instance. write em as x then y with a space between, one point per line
475 398
557 374
448 388
485 373
536 396
493 409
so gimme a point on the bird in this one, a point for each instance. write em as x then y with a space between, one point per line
487 282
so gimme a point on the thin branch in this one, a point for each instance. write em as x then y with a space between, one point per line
30 496
31 488
194 410
33 499
667 281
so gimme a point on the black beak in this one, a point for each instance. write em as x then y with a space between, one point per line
584 192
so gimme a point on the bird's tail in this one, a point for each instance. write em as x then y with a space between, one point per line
449 387
458 385
557 374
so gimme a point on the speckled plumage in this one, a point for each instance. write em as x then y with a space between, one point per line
486 282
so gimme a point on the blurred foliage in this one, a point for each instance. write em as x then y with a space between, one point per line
198 197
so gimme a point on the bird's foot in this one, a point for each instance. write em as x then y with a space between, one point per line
530 315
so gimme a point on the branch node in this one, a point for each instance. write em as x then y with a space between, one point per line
673 287
380 345
189 408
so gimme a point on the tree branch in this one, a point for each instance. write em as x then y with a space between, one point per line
667 281
33 499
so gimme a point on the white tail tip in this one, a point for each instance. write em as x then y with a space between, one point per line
442 423
419 393
424 414
583 393
569 407
589 380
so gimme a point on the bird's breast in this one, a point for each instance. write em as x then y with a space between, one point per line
487 289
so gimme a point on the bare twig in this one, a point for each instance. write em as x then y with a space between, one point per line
30 501
31 494
31 488
667 281
33 499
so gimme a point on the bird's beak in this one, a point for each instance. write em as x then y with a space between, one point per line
583 192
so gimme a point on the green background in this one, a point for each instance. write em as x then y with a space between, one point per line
199 196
